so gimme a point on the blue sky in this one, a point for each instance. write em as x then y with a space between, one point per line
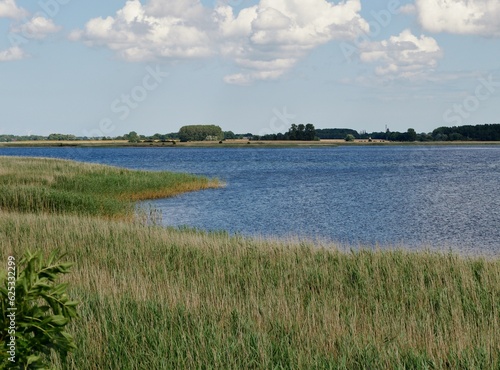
104 68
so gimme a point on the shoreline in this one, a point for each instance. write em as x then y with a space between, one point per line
234 144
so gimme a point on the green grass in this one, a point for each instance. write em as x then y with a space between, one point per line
59 186
162 298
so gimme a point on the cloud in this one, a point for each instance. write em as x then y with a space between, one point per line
402 56
9 9
268 39
263 41
473 17
37 28
12 54
160 29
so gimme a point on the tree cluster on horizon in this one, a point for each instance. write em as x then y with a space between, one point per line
483 132
200 133
296 132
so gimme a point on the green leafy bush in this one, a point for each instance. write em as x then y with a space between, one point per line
200 133
33 323
349 137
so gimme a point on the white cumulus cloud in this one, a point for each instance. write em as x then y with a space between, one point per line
268 39
9 9
405 55
37 28
264 41
161 29
12 54
475 17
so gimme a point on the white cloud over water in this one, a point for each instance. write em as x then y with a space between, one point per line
160 29
473 17
405 55
268 39
36 28
264 41
9 9
12 54
23 29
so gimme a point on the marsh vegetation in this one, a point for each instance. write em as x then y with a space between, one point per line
153 297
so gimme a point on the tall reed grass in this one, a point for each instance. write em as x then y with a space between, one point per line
58 186
163 298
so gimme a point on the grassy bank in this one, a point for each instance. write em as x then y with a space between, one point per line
59 186
163 298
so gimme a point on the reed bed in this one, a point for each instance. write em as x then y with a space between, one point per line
164 298
58 186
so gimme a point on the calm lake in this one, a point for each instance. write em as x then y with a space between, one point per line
437 197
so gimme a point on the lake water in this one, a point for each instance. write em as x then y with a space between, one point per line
437 197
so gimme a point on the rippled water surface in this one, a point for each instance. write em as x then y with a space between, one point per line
434 196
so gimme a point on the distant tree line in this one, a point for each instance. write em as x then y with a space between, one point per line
485 132
296 132
336 133
10 138
134 137
229 135
61 137
468 132
408 136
